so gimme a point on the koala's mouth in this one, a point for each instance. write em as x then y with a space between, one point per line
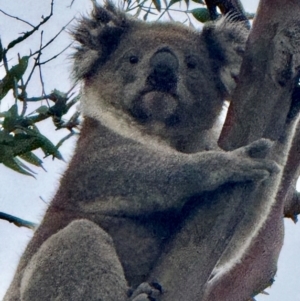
156 105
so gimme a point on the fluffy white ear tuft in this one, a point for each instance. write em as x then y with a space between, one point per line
226 39
98 36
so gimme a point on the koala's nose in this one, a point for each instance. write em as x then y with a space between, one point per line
164 67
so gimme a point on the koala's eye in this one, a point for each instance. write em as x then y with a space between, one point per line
133 59
191 62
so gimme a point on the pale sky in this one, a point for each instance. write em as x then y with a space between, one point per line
20 195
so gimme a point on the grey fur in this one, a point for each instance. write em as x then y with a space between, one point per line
152 93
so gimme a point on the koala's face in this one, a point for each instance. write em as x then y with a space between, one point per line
162 78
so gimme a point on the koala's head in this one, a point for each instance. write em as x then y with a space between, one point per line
159 79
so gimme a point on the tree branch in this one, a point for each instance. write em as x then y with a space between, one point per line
288 192
292 206
18 221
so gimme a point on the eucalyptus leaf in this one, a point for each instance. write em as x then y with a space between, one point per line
14 74
145 16
42 110
49 148
13 163
201 14
24 166
24 143
11 119
5 137
5 114
44 143
173 2
32 159
157 4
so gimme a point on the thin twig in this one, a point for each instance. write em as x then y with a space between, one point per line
15 90
23 96
170 9
73 101
71 3
5 62
55 56
50 41
35 99
70 90
140 5
17 18
37 60
71 134
167 6
31 72
190 21
29 33
73 122
43 84
40 69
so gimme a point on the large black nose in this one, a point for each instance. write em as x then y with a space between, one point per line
164 68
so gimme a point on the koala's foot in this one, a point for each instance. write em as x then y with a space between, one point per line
146 292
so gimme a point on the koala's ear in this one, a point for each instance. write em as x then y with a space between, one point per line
98 37
226 40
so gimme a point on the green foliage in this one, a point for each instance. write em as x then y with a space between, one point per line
1 51
19 137
173 2
199 1
12 76
19 134
201 14
157 4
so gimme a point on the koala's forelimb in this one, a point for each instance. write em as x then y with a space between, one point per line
196 250
171 173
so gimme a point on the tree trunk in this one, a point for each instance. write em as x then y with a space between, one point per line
260 108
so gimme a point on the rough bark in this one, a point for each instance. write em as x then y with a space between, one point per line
288 192
260 108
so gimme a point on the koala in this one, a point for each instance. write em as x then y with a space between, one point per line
152 93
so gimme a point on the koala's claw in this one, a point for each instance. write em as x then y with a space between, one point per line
146 292
143 297
251 164
255 169
258 149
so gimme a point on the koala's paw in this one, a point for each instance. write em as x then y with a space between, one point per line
250 162
146 292
258 149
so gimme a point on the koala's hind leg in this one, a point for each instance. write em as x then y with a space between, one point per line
77 263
